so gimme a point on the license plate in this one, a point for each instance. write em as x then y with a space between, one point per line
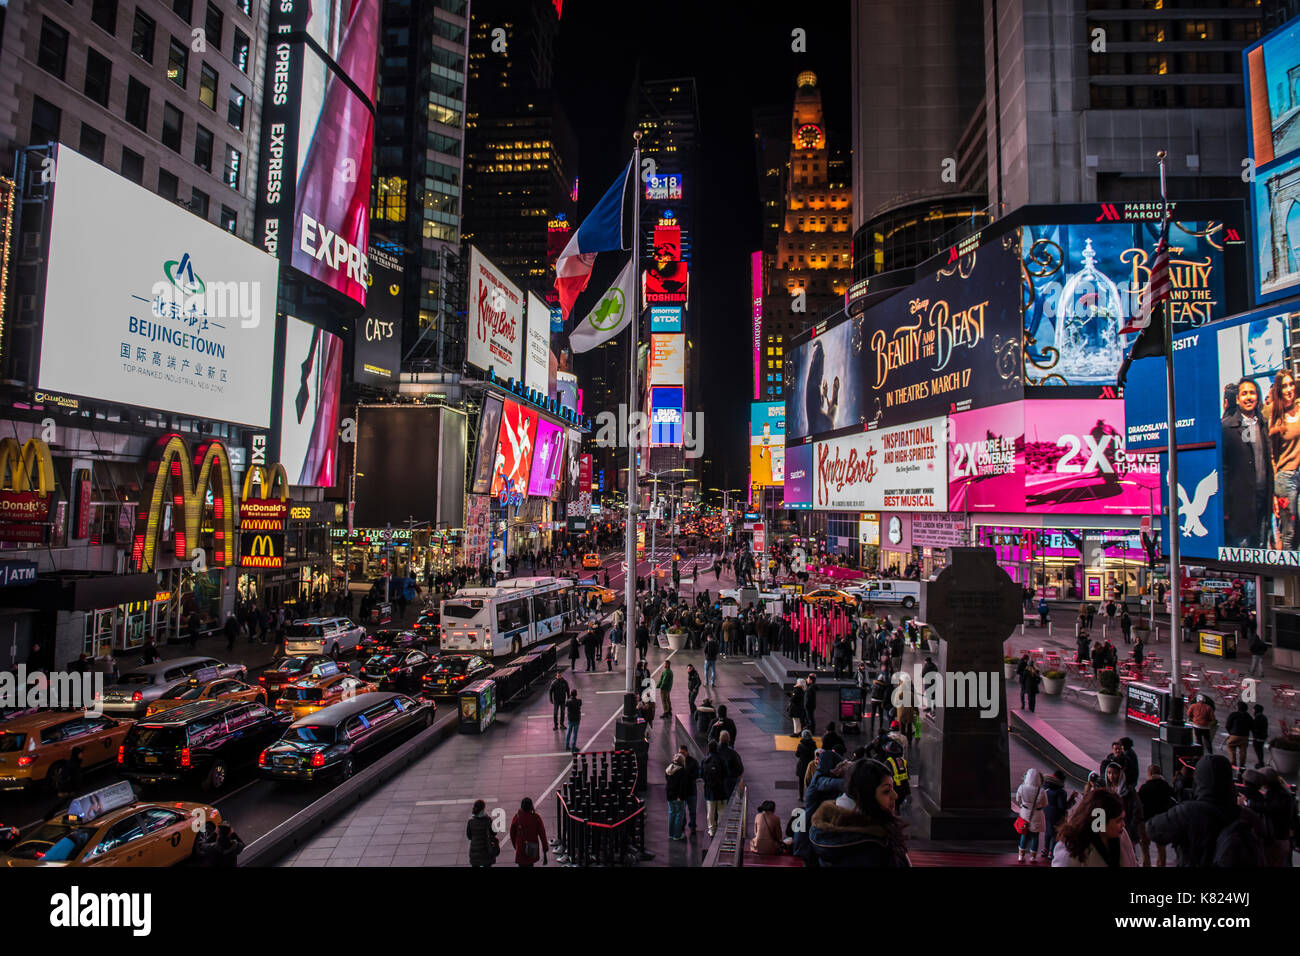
286 762
150 759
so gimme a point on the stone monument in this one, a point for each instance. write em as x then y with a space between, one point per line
964 768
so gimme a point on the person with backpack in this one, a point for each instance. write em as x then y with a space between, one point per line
1157 796
735 766
1078 843
713 771
1211 829
1029 802
558 693
483 845
573 710
528 835
723 724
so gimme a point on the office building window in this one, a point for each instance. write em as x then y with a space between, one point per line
99 70
239 53
203 148
208 87
233 166
199 202
46 118
52 55
183 9
228 219
92 143
173 124
245 7
104 13
215 24
235 109
133 166
168 185
137 104
142 36
178 62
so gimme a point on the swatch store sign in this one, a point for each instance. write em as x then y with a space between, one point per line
892 469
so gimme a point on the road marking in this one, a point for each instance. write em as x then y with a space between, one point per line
611 692
233 792
539 717
452 803
558 753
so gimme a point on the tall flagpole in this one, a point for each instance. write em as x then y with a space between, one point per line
629 539
1175 531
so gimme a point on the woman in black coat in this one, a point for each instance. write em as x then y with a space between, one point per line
483 847
796 707
871 834
803 756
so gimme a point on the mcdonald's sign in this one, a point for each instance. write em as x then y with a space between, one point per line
257 549
268 511
172 475
26 489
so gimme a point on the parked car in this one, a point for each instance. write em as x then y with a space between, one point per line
451 672
398 669
892 591
323 635
330 741
289 670
427 626
316 693
391 640
203 686
136 689
202 741
35 749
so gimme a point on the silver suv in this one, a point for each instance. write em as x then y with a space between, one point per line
137 688
323 635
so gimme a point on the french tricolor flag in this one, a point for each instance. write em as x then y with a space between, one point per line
602 231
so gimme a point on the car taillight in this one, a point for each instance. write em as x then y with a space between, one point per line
185 756
27 760
318 760
261 680
393 670
137 697
121 754
261 759
321 642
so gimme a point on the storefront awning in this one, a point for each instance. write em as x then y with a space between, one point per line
81 592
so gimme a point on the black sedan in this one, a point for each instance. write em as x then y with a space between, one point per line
428 626
388 640
290 670
397 669
330 741
451 672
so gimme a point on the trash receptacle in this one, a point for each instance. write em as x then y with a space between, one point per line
478 706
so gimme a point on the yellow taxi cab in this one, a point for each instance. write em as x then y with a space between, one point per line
590 561
318 692
206 686
109 827
831 595
35 748
606 595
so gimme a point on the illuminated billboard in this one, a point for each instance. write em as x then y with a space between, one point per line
667 359
667 243
485 454
313 204
665 318
666 416
756 317
180 317
665 282
496 319
798 477
309 419
377 349
897 469
548 460
766 443
664 187
518 433
1272 94
537 350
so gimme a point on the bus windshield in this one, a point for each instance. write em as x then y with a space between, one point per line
461 612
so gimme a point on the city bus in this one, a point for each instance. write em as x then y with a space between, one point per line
508 618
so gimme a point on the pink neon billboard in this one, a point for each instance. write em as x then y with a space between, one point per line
756 292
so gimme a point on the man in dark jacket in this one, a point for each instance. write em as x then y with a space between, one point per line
1118 757
735 766
558 694
713 771
1247 470
803 756
1193 827
1157 796
692 772
831 738
1258 734
723 724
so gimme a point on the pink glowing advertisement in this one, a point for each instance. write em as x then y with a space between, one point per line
546 459
1048 456
756 291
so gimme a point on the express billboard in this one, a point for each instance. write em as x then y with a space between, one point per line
309 417
496 319
514 459
766 443
1238 437
548 460
181 317
904 468
314 191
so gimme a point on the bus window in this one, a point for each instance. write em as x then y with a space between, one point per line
512 614
546 606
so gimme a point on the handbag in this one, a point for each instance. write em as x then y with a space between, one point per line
1023 813
494 850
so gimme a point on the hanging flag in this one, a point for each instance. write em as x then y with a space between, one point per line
1151 335
601 231
609 316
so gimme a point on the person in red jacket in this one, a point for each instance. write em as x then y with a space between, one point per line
528 835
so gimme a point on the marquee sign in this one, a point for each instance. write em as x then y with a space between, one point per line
26 489
268 512
258 549
172 471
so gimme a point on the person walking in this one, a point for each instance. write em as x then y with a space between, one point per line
528 835
232 632
713 771
693 685
692 771
804 755
484 847
558 694
1157 797
665 688
866 832
1030 682
1079 844
1029 803
1258 648
573 653
573 710
1126 626
1201 716
1258 734
796 707
1042 611
1239 726
675 777
1195 826
711 661
735 766
810 703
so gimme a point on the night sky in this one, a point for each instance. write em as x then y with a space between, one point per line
740 57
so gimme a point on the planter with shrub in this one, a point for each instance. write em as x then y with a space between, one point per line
1053 682
1284 754
1009 665
1108 696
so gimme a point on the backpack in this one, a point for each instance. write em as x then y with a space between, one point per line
713 773
1238 844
